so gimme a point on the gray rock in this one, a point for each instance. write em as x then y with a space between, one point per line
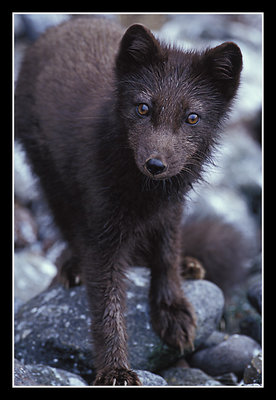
43 375
254 295
22 376
54 327
17 303
188 377
215 338
231 355
251 326
32 274
208 302
146 349
149 379
228 379
49 376
25 183
25 227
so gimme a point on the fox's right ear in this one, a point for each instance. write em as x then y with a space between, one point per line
138 47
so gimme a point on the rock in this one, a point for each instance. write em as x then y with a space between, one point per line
49 376
54 327
253 371
149 379
252 326
43 375
17 303
25 227
32 274
188 377
22 376
208 302
215 338
231 355
238 312
228 379
25 183
146 349
254 295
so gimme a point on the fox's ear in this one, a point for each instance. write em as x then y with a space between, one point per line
138 47
224 65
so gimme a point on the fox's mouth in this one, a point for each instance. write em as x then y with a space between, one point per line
157 178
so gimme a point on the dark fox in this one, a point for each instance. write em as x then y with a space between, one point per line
118 126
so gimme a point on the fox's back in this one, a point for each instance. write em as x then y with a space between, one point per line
68 65
63 80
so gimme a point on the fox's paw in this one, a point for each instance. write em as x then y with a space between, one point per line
175 324
117 377
192 268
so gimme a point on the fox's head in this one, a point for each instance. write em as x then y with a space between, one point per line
171 102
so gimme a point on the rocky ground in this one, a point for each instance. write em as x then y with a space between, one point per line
51 326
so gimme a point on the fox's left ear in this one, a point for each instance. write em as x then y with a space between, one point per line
224 64
138 47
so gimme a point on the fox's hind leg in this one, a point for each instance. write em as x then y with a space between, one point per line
68 271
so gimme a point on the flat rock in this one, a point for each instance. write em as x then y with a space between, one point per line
53 328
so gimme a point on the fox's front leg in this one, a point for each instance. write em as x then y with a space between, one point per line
105 283
172 315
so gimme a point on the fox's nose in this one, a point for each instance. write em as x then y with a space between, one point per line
155 166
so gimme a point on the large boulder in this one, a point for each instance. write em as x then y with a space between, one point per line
53 328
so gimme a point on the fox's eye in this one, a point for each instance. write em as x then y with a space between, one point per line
142 109
192 119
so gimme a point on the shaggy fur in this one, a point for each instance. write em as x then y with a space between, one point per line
114 178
